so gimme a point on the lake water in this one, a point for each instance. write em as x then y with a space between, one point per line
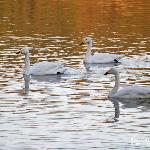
72 111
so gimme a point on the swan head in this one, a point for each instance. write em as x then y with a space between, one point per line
24 51
111 71
86 40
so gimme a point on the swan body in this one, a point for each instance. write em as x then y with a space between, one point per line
98 57
45 68
134 92
131 92
41 68
103 58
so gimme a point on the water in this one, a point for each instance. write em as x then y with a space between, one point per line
72 111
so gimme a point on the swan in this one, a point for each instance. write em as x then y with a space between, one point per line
41 68
131 92
98 57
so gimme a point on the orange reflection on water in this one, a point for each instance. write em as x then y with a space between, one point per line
64 17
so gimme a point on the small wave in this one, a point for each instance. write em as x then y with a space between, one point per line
72 71
135 62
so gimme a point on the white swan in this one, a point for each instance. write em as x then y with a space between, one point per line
98 57
131 92
41 68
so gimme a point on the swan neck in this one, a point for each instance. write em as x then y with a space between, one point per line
27 65
89 48
116 87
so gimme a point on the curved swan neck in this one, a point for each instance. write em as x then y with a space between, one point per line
117 83
89 48
26 70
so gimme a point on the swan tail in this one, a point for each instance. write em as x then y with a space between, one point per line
116 60
61 69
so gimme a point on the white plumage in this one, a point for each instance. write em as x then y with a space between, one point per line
98 57
103 58
41 68
131 92
45 68
134 92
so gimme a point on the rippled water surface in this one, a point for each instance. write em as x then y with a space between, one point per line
72 111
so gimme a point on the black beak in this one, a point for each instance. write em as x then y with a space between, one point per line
18 52
81 43
106 73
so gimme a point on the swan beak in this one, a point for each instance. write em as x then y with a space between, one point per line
106 73
18 52
82 43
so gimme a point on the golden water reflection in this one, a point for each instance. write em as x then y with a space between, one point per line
64 17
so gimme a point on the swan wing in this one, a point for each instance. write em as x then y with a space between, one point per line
45 67
134 92
105 57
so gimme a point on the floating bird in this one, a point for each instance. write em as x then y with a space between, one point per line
41 68
131 92
98 57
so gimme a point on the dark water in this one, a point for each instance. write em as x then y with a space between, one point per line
72 111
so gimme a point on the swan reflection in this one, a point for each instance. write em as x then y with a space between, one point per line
26 83
99 66
117 110
134 103
47 78
129 103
